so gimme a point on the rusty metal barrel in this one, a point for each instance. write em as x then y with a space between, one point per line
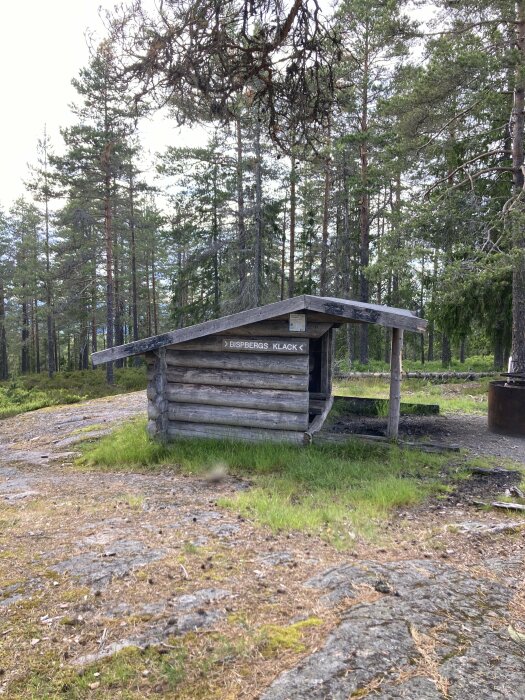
507 408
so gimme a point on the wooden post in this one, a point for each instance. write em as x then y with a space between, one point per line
161 398
395 383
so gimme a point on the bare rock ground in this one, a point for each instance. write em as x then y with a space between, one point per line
91 562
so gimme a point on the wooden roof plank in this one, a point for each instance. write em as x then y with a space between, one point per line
243 318
366 313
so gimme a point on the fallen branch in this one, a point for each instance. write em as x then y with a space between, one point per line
500 504
507 506
515 491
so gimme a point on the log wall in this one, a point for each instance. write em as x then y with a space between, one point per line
250 385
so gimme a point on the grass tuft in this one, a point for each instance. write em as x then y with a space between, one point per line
337 491
273 639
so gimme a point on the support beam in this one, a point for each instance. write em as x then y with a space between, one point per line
158 406
396 369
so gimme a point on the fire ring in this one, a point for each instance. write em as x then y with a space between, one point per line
507 408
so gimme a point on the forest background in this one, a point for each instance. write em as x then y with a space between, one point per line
365 154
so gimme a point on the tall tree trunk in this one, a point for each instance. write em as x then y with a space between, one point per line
148 301
215 245
179 300
323 282
293 214
431 325
37 336
241 221
283 254
518 214
49 293
446 351
4 366
25 365
396 211
388 331
134 294
364 208
154 293
110 290
117 276
83 345
422 308
346 258
462 349
94 344
56 340
259 222
430 353
498 348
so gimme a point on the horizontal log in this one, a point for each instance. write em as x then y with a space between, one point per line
178 429
264 399
275 364
245 417
239 378
256 346
362 406
469 376
314 329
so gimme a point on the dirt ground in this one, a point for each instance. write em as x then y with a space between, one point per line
93 562
465 431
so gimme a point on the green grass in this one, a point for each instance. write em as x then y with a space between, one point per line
274 638
476 363
452 397
33 391
130 673
337 491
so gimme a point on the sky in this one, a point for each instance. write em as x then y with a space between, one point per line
42 47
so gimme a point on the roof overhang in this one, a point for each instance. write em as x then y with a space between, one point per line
335 310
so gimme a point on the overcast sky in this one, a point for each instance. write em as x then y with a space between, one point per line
42 47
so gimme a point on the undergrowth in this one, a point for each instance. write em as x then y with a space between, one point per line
33 391
475 363
339 491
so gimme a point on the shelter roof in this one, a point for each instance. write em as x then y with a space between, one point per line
330 309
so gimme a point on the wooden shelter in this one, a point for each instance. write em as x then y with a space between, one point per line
260 374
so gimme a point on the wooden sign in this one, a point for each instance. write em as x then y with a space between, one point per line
297 323
277 345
